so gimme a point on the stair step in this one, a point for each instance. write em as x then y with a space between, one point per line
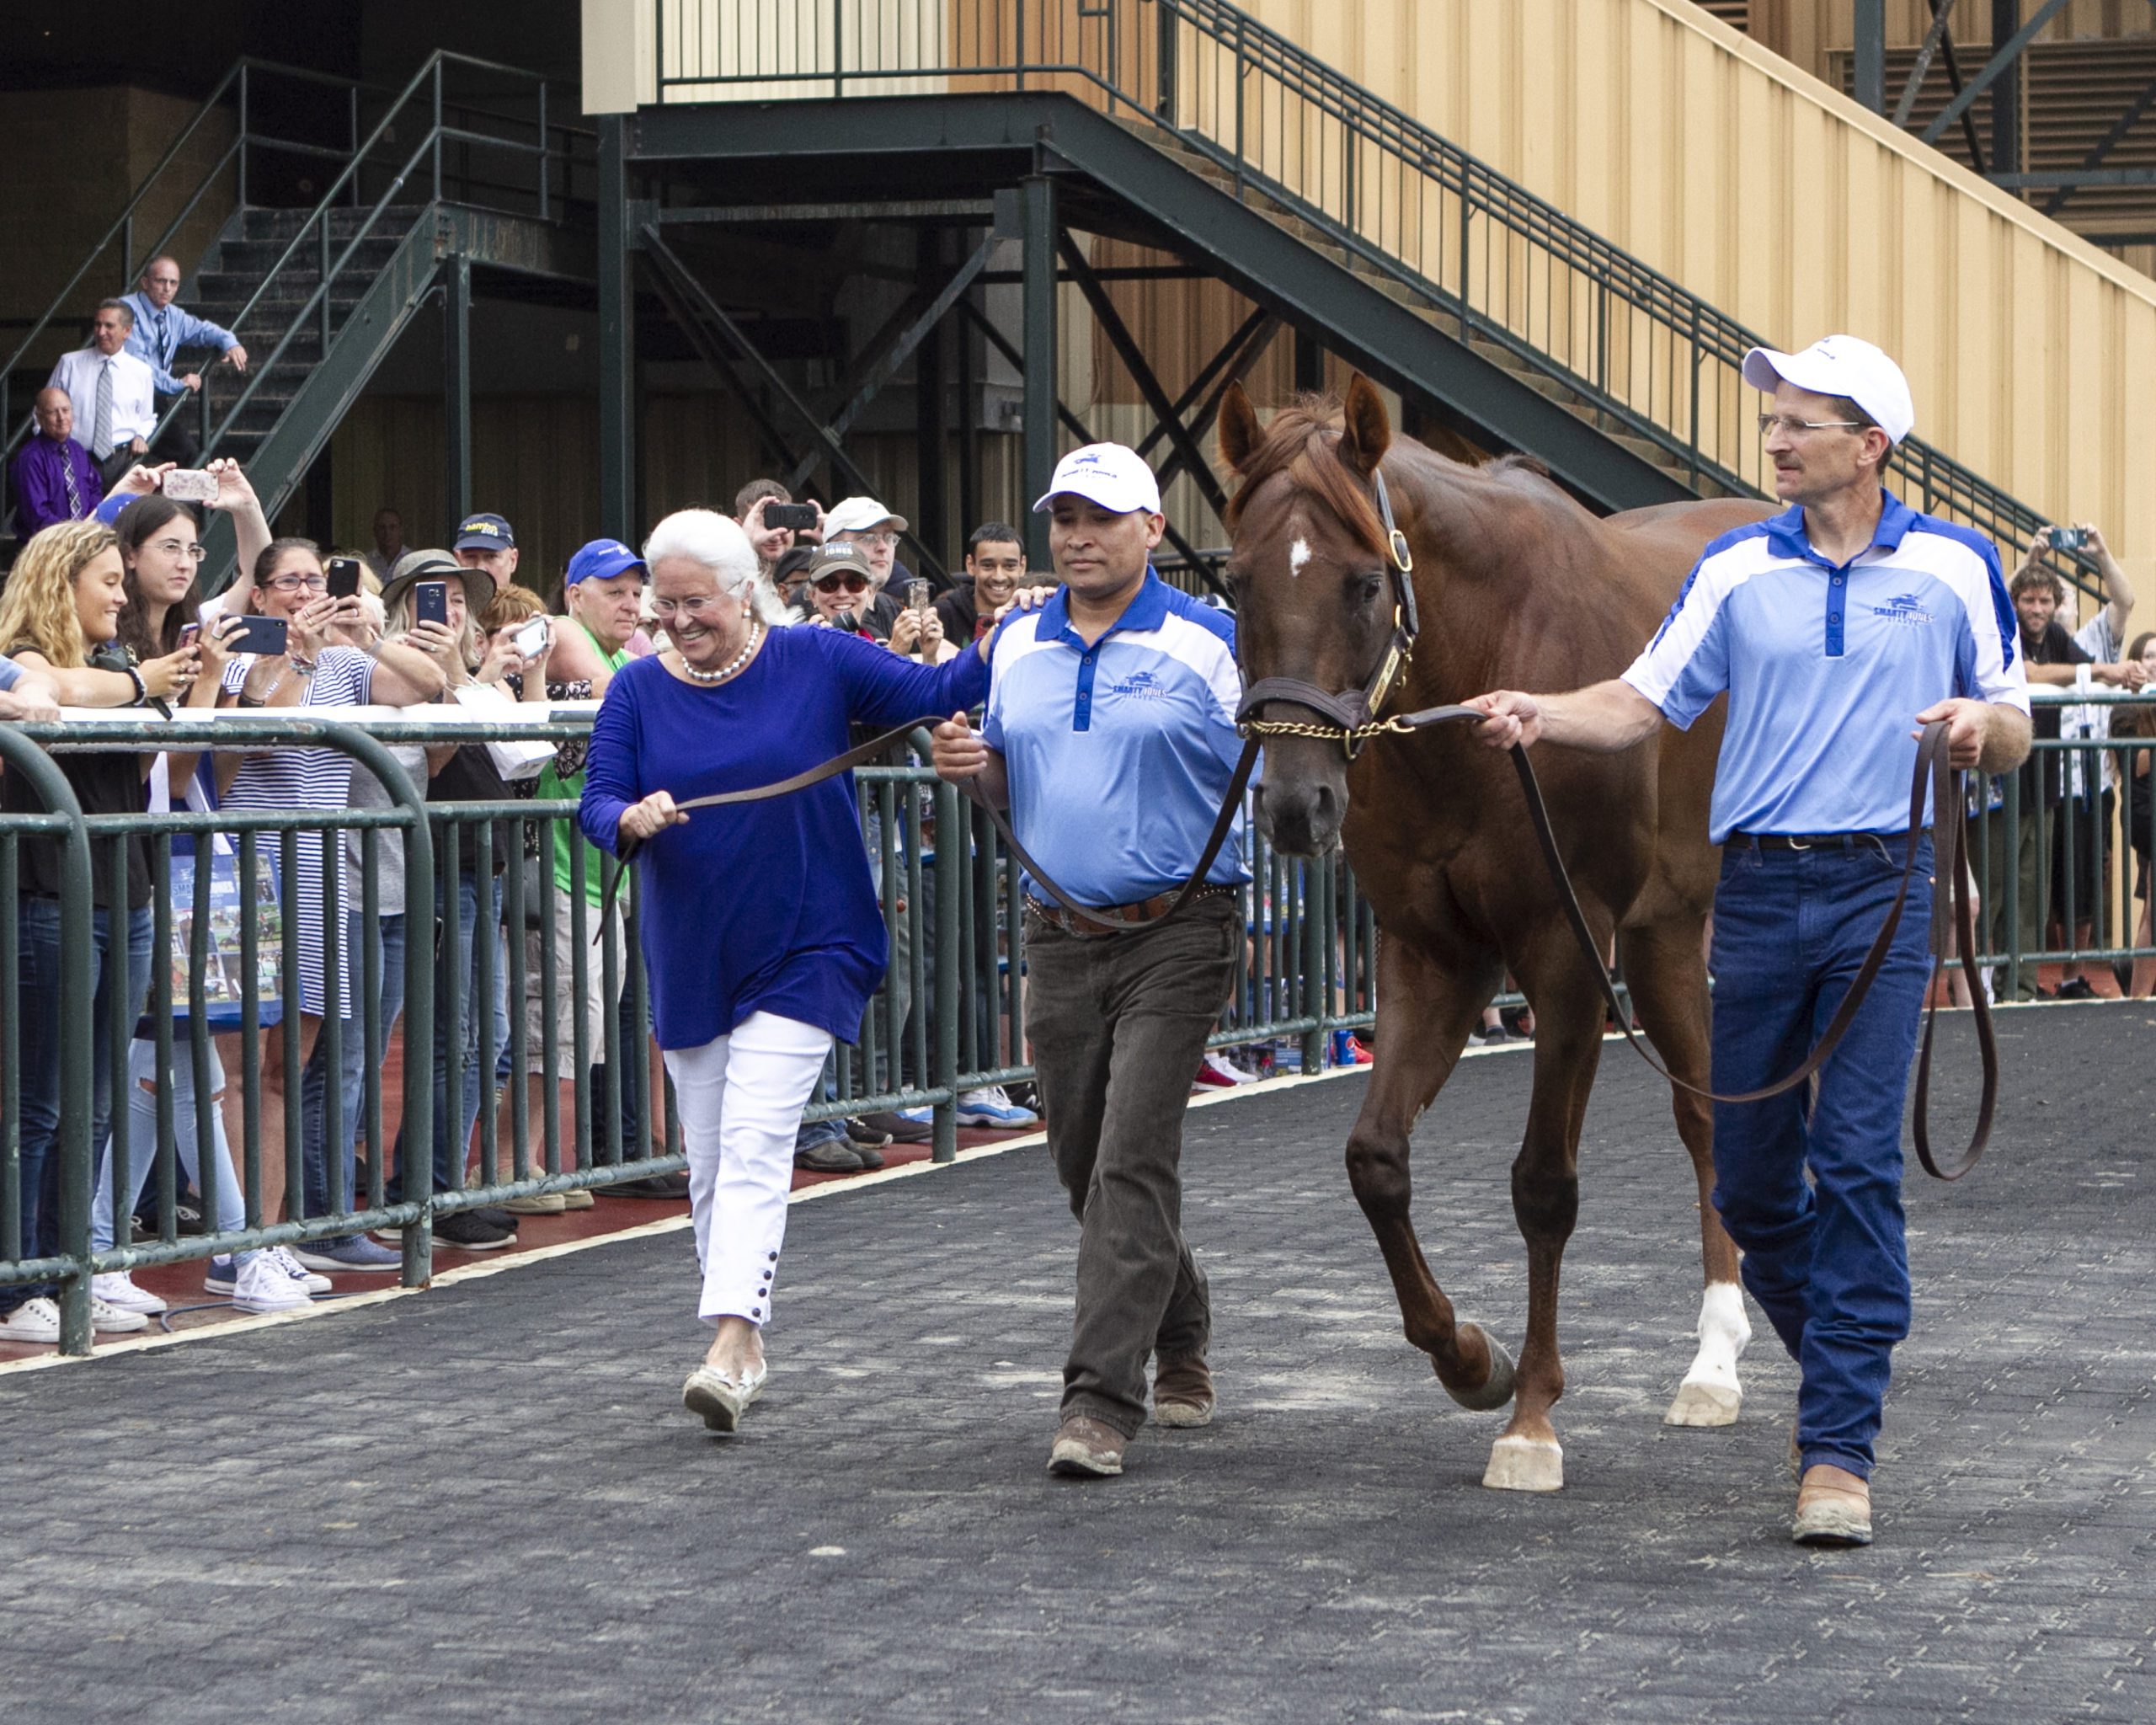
255 258
261 224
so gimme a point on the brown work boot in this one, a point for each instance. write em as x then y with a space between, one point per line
1182 1392
1087 1447
1833 1508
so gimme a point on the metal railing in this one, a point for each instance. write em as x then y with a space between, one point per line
470 130
227 966
1632 350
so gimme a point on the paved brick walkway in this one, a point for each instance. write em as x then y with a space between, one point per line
485 1502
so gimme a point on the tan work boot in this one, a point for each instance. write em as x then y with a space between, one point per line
1087 1447
1182 1392
1833 1508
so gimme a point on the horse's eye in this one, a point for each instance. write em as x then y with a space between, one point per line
1369 586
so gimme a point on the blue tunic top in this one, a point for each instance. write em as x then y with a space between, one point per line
759 907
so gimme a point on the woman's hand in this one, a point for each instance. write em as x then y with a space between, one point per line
905 633
438 640
210 641
502 658
655 814
306 630
233 491
140 481
172 675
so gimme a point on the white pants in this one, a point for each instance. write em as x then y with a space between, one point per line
740 1098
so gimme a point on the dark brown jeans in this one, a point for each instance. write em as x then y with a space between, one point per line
1118 1026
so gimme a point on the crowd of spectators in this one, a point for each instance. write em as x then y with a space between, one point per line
106 608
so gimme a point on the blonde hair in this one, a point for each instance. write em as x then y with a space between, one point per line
400 622
38 609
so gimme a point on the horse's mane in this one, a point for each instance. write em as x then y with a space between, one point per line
1303 441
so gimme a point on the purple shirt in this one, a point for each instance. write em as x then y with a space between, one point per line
41 470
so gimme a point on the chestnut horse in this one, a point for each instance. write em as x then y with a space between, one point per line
1518 586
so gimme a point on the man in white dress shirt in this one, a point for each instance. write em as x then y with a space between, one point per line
114 393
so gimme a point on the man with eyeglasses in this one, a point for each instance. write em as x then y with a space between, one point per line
160 334
54 478
1835 629
865 522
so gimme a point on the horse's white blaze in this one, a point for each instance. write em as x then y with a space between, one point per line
1711 1394
1298 554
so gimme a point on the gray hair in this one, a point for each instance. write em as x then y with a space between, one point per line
705 537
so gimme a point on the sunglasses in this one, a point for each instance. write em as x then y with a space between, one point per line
831 583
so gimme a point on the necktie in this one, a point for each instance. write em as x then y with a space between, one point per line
101 421
67 478
164 342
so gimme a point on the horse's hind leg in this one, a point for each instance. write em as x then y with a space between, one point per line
1425 1012
1668 980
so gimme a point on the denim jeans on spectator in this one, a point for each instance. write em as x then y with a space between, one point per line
391 1008
208 1161
38 1055
453 1138
1826 1258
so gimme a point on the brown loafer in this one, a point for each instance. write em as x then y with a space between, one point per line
1833 1508
1182 1392
1087 1447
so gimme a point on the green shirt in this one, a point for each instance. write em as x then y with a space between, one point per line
552 783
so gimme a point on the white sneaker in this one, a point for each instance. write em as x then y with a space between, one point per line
114 1321
117 1289
263 1286
33 1320
297 1271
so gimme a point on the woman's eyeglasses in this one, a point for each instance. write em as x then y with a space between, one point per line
851 583
173 548
665 608
299 584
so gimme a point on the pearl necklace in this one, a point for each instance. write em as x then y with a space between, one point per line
740 658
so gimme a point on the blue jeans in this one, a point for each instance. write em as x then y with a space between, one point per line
453 1137
390 1005
1826 1260
324 1189
38 1055
208 1162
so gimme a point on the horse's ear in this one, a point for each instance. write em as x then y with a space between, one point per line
1365 427
1240 433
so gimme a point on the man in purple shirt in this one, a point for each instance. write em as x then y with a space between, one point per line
54 478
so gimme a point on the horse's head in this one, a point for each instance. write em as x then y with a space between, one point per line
1315 588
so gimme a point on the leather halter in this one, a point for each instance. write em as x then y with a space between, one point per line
1352 715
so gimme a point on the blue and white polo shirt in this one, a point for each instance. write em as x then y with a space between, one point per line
1120 753
1827 666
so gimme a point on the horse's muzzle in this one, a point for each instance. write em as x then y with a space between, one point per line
1301 817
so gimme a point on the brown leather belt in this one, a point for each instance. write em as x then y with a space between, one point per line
1141 915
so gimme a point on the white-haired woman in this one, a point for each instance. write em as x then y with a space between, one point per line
750 984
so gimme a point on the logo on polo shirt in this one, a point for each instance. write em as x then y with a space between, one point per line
1140 685
1904 608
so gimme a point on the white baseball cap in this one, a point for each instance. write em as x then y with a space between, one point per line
1844 365
1111 474
858 515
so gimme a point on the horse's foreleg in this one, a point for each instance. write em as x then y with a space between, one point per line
1425 1013
1546 1201
1668 979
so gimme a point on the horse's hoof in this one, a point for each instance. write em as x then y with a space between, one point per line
1701 1403
1525 1465
1497 1388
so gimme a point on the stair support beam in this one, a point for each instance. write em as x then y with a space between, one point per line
456 382
617 357
1037 218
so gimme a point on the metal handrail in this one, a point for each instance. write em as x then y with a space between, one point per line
1143 73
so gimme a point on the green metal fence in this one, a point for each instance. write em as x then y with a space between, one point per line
949 1020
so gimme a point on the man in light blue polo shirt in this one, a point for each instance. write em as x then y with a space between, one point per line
1111 737
1836 629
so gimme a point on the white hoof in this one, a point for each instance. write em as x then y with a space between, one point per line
1525 1465
1702 1401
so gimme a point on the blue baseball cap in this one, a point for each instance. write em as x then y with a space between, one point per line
600 560
484 532
108 511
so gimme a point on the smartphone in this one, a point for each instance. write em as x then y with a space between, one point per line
796 516
344 577
917 597
847 621
528 639
256 634
2067 538
430 601
190 485
187 632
